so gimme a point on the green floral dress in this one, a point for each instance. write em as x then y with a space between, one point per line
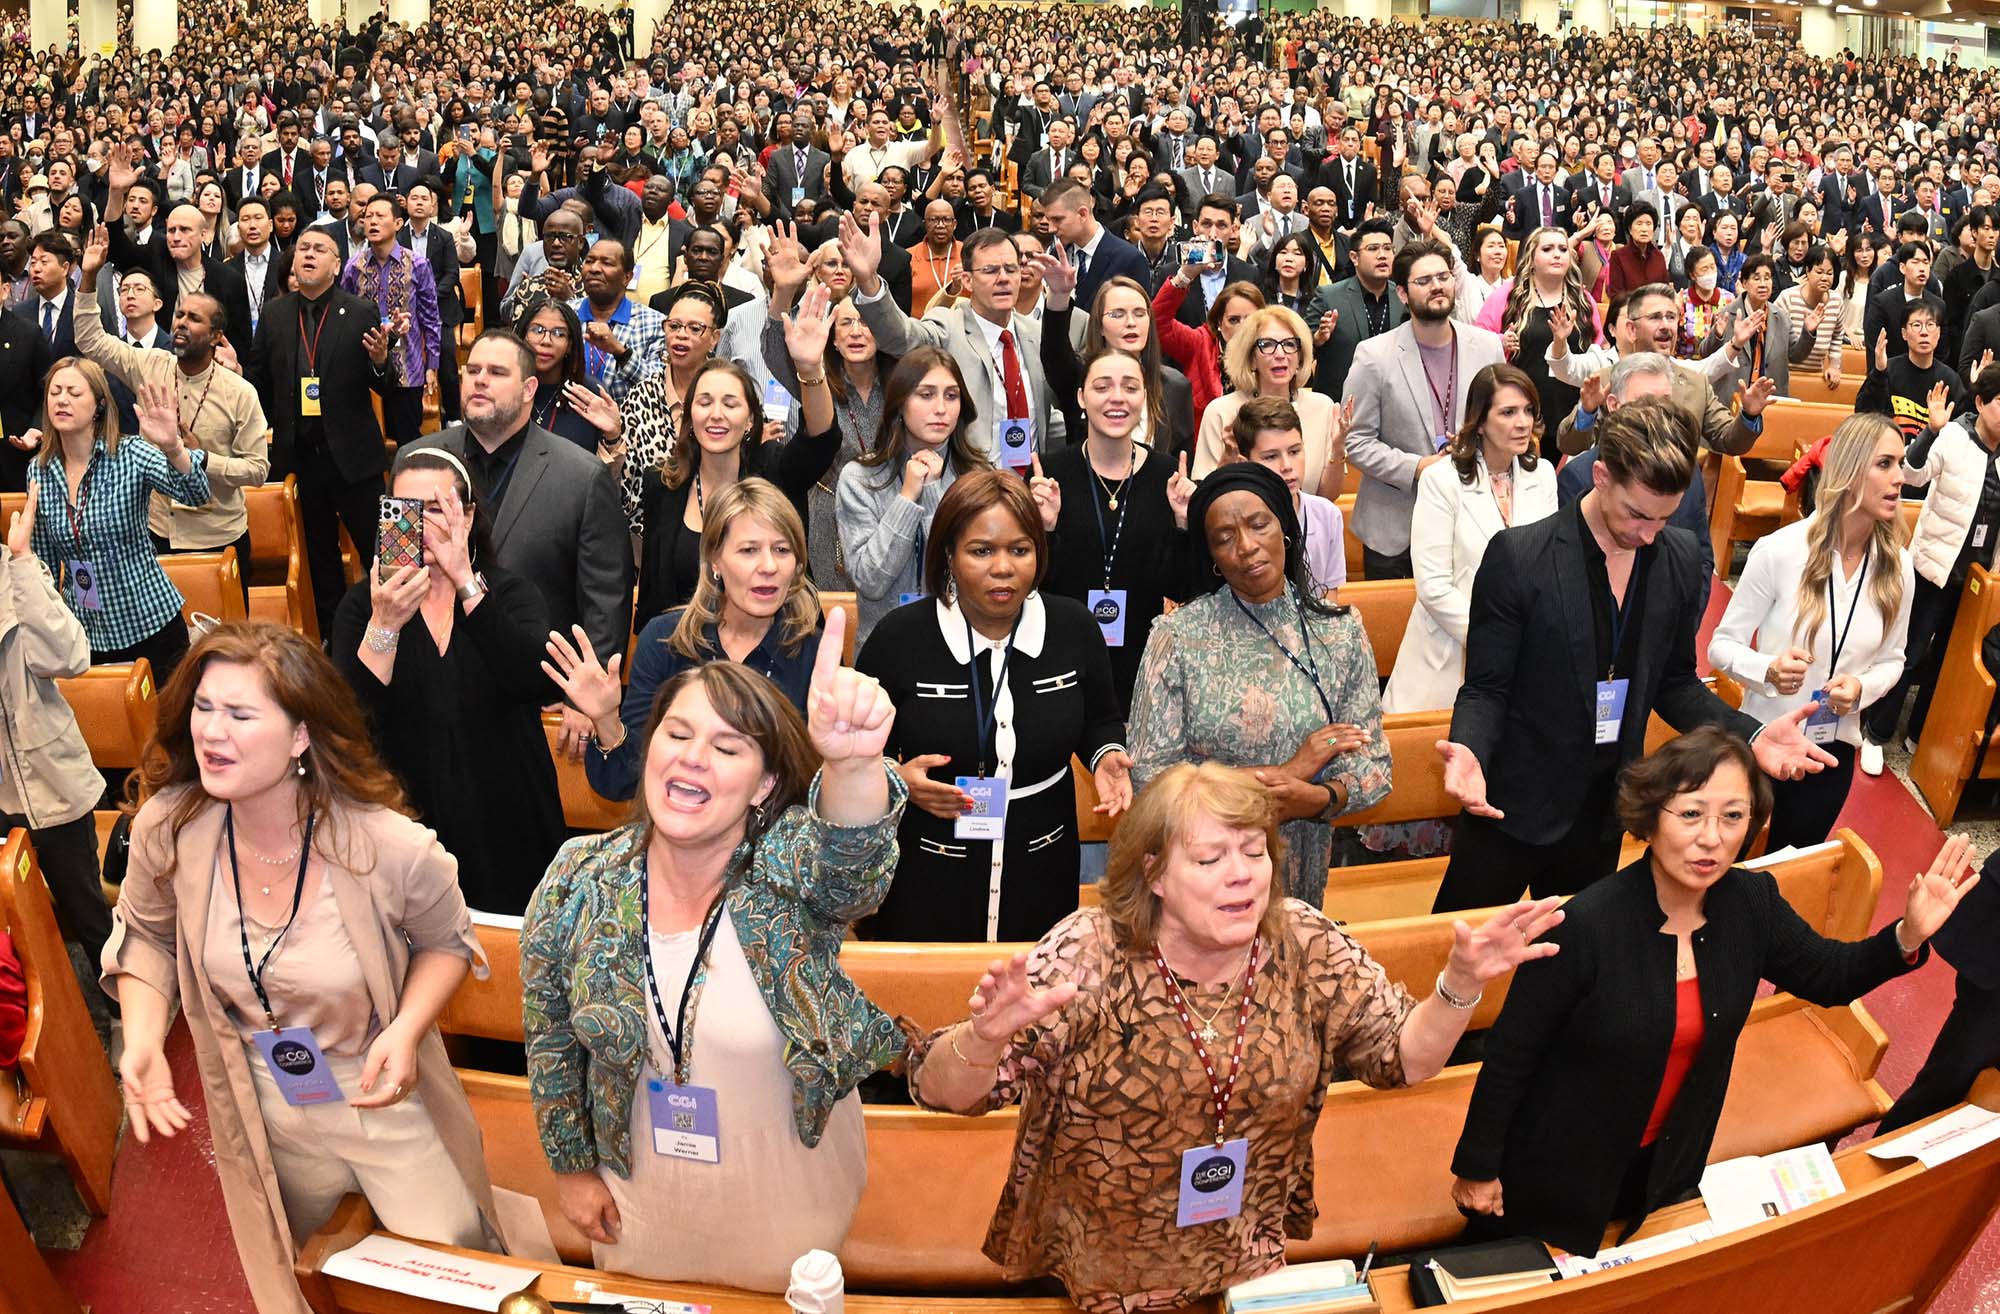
1216 685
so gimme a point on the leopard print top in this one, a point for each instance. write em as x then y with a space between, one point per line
1112 1094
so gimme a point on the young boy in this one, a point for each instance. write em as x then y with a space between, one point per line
1267 431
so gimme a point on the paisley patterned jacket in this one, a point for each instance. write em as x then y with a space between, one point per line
791 898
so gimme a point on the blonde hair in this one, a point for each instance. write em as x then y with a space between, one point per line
105 422
1160 818
1842 483
761 499
1278 322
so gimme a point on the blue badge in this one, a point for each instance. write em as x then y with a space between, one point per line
83 585
1107 607
684 1121
988 818
297 1064
777 401
1610 709
1212 1182
905 599
1824 723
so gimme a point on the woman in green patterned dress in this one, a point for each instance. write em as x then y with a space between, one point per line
1260 674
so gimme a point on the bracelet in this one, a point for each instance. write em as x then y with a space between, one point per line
804 382
1453 1000
951 1038
382 640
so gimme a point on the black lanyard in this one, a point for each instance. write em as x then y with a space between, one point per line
256 970
1308 668
982 715
676 1035
1621 612
1838 634
1110 541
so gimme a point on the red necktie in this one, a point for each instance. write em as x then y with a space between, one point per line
288 172
1010 373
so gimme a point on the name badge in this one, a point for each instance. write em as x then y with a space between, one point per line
1824 723
988 818
1979 536
684 1121
309 395
1610 709
1212 1182
83 585
798 194
905 599
638 269
777 402
297 1064
1107 607
1017 441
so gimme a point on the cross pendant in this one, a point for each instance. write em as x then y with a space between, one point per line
1209 1035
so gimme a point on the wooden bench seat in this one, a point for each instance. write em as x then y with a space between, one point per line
1949 744
210 583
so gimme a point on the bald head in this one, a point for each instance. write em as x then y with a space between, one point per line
184 235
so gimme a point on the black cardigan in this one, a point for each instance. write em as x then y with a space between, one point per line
1575 1061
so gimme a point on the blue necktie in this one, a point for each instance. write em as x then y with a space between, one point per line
49 321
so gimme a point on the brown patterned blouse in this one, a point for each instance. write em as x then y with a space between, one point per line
1112 1094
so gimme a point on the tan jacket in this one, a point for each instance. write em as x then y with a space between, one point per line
46 774
397 890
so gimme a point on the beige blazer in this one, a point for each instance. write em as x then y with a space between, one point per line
397 890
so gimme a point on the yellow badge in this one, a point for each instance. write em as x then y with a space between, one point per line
309 395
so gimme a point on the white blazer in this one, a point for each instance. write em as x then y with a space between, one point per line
1449 532
1758 627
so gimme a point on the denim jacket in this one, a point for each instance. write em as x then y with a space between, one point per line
791 897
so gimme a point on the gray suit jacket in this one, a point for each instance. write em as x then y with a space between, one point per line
1394 427
562 527
1225 185
1333 360
954 330
1781 347
781 176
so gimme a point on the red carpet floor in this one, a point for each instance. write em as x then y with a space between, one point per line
165 1249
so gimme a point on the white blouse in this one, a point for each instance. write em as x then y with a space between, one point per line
1758 628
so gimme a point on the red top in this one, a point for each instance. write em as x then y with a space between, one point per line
1687 1043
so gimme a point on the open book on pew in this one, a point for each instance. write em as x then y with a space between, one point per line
1301 1289
1491 1268
1742 1192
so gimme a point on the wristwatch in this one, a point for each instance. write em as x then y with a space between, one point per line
474 588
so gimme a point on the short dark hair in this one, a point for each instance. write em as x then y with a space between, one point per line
1911 250
1416 249
1216 201
522 355
1684 763
249 201
1379 226
1987 386
1643 210
969 495
56 244
1912 309
1762 260
1648 441
982 238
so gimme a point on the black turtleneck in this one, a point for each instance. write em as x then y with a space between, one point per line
493 472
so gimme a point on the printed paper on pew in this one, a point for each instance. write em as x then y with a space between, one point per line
1742 1192
1961 1131
393 1264
1786 854
651 1304
1571 1266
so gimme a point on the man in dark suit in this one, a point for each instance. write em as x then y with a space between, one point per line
1358 308
24 360
179 251
317 354
289 158
390 173
1841 190
51 310
1211 227
415 152
1352 179
554 507
1722 195
1540 202
1097 253
796 170
245 178
260 262
1556 599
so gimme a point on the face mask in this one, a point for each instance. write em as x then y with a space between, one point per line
486 152
1706 282
93 165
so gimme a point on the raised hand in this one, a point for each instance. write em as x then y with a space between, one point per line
376 340
1058 274
919 470
806 330
1590 394
452 553
95 251
160 419
1465 779
21 526
848 713
1323 331
595 409
1937 406
1180 489
1047 494
395 599
1502 943
1003 1003
120 173
861 248
1935 894
786 259
1747 327
1882 349
1758 394
1784 753
1510 342
587 685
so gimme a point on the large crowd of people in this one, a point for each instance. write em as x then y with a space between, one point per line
1075 346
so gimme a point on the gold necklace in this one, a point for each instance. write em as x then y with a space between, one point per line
1209 1035
1110 493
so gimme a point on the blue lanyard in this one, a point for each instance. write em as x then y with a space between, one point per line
1839 636
1620 613
1308 668
983 715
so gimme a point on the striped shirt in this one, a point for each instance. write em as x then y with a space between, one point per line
137 599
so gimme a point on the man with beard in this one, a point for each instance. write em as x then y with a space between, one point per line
175 260
1651 322
553 266
1407 387
220 412
622 342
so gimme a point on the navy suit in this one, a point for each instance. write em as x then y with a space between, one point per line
1114 256
64 341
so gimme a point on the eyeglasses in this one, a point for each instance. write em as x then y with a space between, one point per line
548 332
1727 819
688 327
996 271
1657 317
1126 315
1274 346
1434 280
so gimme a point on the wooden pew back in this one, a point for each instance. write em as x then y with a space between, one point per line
583 807
73 1107
1384 608
210 583
1965 688
116 706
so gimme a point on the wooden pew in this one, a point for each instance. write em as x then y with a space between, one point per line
847 602
68 1103
280 583
210 583
1950 741
116 706
1812 388
1384 608
30 1288
1746 508
583 807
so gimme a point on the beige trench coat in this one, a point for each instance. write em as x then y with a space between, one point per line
397 890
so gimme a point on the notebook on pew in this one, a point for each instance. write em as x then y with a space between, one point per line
1301 1289
1490 1268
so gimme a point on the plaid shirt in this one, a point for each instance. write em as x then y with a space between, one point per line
642 329
138 598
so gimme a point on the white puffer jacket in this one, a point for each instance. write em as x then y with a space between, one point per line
1954 467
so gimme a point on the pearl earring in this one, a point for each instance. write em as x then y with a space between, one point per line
299 764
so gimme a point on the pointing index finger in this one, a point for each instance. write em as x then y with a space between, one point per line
830 645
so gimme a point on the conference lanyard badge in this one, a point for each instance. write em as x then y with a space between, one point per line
988 818
1610 710
1017 441
777 401
1824 723
684 1121
309 395
1212 1182
297 1064
1107 607
83 585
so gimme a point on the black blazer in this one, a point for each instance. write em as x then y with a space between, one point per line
223 283
1194 306
1574 1063
64 343
277 361
1354 204
1531 667
24 362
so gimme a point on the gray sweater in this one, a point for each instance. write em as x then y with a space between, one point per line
881 535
